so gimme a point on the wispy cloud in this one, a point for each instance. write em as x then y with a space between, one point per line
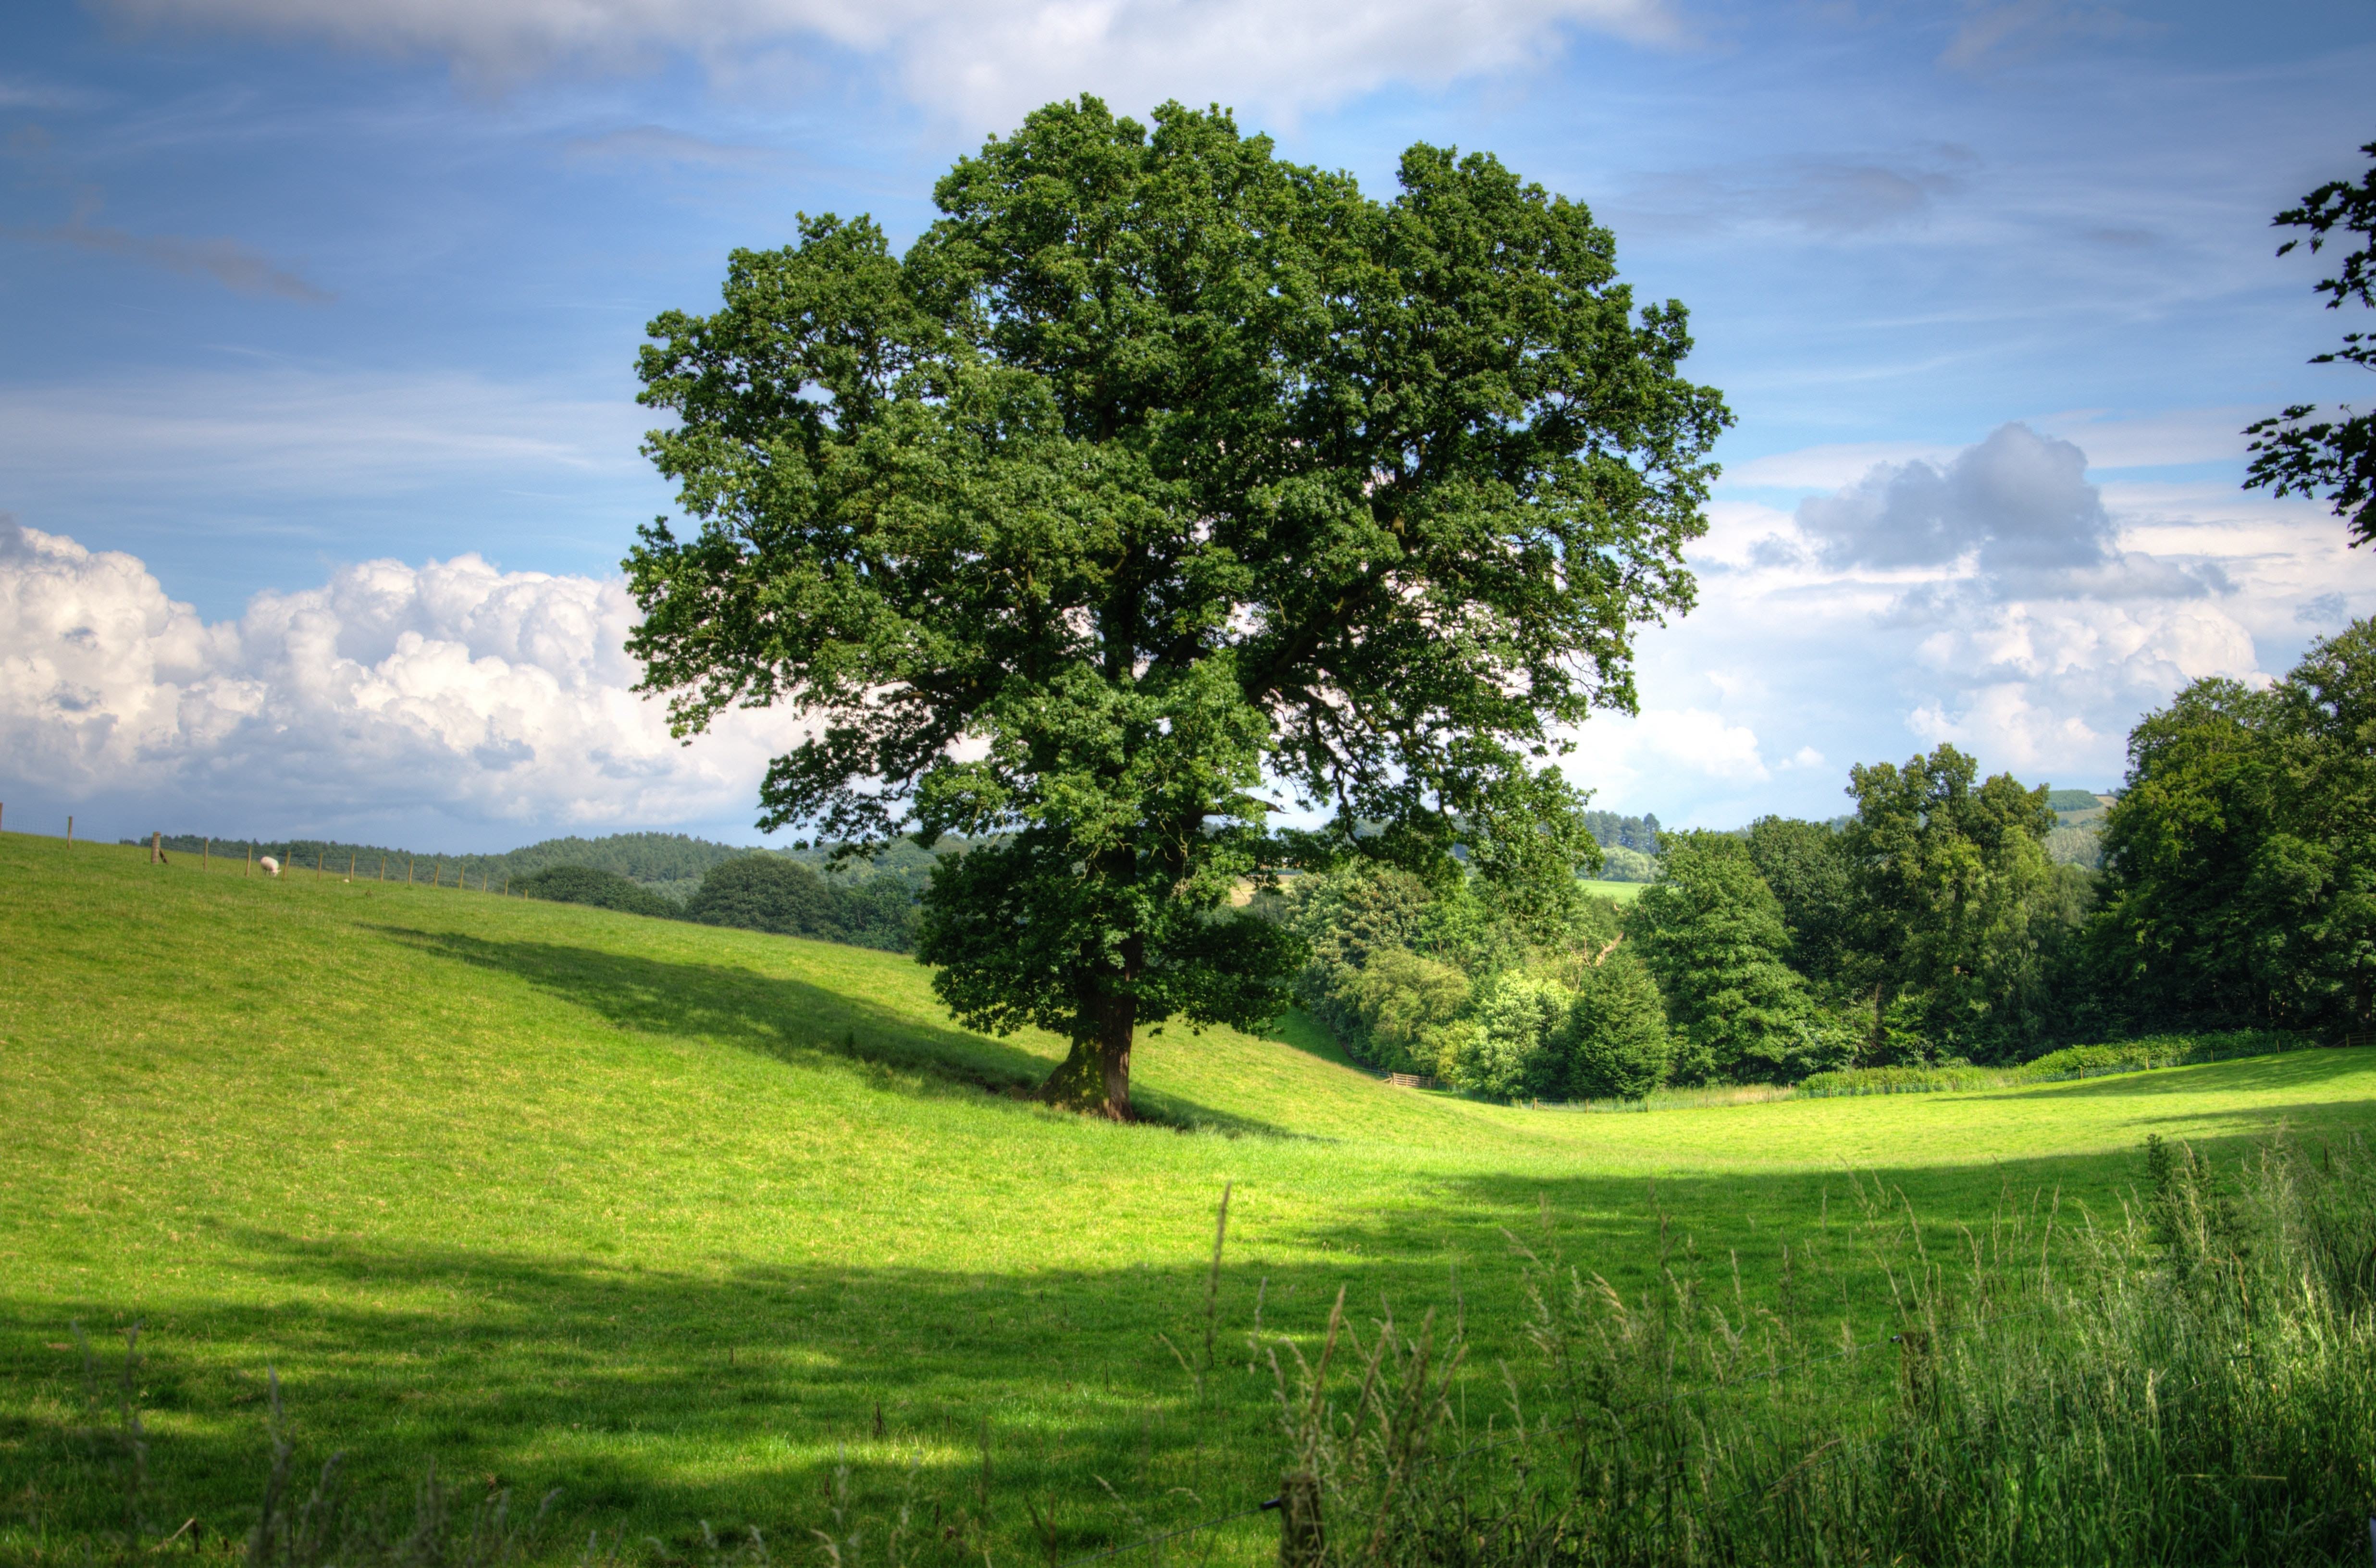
659 145
235 266
274 429
2006 33
981 62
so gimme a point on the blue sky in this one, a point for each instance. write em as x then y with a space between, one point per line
316 421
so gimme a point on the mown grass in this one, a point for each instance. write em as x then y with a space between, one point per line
677 1219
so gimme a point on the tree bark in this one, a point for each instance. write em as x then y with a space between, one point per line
1094 1077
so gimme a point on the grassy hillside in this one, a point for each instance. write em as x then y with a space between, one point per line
676 1217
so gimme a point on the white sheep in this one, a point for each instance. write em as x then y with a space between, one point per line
271 867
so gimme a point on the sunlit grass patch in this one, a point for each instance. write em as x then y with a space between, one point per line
672 1217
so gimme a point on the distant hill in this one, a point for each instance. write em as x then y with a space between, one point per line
670 864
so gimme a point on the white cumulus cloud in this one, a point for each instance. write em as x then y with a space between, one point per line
986 62
450 692
1994 596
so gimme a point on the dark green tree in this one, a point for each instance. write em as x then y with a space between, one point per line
1617 1045
2177 929
2299 452
1159 477
1711 931
1953 887
2241 861
2318 875
767 893
1806 864
603 889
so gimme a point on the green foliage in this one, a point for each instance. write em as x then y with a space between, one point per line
1618 863
1963 920
1806 864
1897 1080
1343 919
1639 834
1158 469
1510 1047
603 889
2072 801
1711 931
2240 862
765 893
2296 453
1617 1046
1402 1003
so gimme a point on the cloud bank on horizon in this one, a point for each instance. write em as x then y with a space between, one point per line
1992 597
447 694
1995 598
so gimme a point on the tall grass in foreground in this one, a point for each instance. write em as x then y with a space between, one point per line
2192 1381
2195 1384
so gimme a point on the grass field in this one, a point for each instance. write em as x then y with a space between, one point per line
677 1219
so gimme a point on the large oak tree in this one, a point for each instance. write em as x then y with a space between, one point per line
1159 481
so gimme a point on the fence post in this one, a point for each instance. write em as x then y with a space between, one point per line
69 830
251 859
1301 1543
206 852
156 843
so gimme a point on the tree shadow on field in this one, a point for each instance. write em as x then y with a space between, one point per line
729 1389
778 1016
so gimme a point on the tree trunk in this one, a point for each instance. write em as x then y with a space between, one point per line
1094 1076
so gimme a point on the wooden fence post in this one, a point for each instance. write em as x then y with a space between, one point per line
1301 1543
206 852
383 868
69 830
251 859
408 871
156 844
351 865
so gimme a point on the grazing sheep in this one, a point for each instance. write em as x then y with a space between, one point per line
271 867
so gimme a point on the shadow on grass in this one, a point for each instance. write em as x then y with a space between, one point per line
786 1018
655 1397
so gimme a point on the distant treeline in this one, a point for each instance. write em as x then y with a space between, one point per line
1952 920
1639 834
803 891
757 892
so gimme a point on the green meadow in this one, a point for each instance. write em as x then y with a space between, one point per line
679 1220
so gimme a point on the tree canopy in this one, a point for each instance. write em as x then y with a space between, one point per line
2299 453
1161 477
2241 861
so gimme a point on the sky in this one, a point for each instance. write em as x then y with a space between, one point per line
319 451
